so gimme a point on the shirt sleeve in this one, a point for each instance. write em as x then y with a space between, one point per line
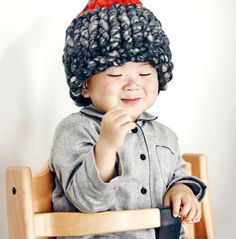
72 160
180 176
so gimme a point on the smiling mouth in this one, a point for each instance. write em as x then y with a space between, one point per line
130 101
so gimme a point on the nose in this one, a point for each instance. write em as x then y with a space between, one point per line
131 83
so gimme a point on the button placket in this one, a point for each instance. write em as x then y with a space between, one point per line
143 157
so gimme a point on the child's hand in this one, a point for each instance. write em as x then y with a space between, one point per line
184 203
114 127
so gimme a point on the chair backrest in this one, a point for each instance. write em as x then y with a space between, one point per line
29 204
199 168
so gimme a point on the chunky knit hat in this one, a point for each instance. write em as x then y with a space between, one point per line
111 33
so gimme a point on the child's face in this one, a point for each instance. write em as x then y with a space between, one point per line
132 86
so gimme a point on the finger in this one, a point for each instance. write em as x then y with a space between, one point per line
198 215
122 119
115 115
191 215
116 110
185 210
111 112
128 126
176 204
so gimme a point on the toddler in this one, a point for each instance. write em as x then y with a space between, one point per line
112 154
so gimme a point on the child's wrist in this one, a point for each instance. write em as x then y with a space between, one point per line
182 187
105 145
105 158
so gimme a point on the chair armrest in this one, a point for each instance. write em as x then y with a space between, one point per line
79 224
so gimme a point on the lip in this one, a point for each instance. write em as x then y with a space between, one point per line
130 101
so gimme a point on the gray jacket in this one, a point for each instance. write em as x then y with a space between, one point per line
148 164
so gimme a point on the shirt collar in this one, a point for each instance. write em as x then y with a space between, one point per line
93 111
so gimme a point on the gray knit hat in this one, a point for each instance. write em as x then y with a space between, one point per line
111 33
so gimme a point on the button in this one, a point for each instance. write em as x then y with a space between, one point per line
143 156
143 190
134 130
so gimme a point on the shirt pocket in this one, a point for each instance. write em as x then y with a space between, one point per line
165 157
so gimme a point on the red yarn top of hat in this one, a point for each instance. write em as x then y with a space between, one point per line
107 3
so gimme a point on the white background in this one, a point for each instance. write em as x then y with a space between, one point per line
200 104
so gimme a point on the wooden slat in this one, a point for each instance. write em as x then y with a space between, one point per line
42 190
204 229
79 224
190 227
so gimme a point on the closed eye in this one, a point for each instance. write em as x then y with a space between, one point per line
114 75
148 74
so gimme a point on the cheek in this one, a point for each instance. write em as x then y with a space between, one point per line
109 89
106 95
152 88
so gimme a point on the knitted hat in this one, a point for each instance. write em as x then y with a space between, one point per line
111 33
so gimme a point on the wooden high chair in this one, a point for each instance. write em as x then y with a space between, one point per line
30 215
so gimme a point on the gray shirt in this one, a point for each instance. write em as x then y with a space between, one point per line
147 165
